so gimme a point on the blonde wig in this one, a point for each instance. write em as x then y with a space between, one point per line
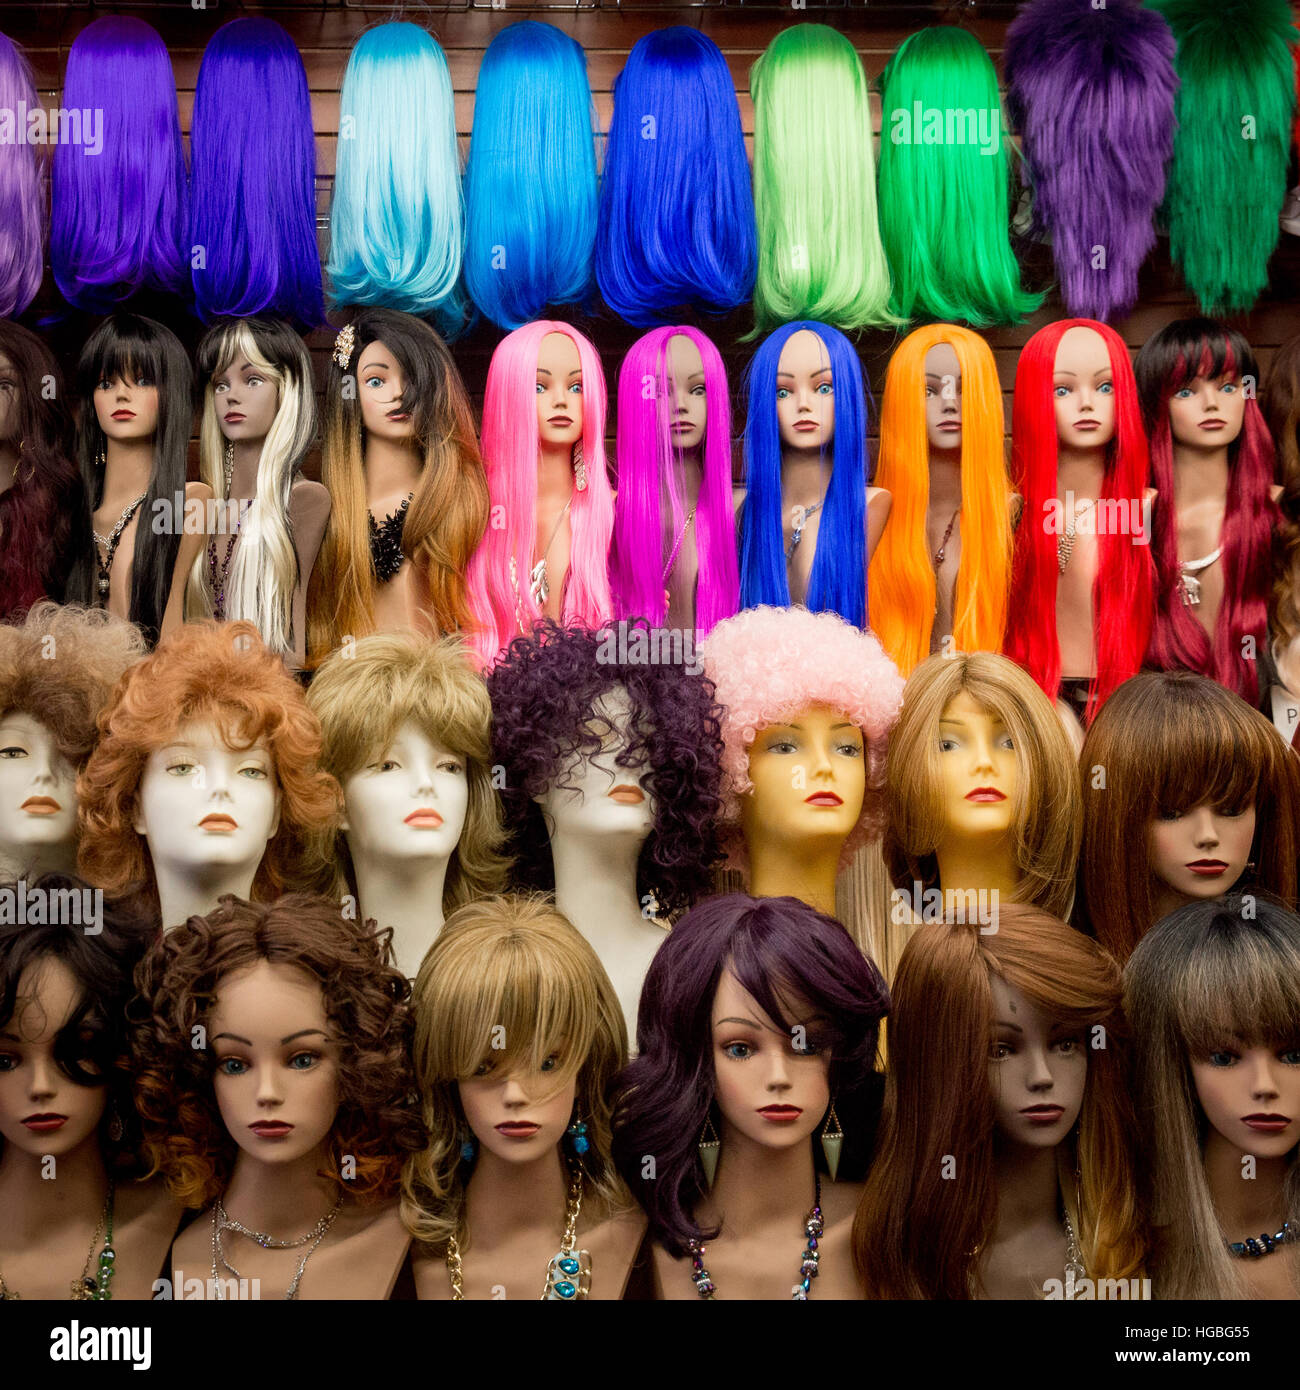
516 965
1048 811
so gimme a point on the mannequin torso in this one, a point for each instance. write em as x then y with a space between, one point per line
1245 1209
554 534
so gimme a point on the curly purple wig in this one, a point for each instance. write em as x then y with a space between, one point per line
543 690
783 952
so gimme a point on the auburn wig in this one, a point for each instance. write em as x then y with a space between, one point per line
1282 411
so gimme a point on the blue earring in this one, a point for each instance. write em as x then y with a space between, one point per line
469 1147
577 1135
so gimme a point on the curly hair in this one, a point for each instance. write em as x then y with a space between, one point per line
178 985
543 690
207 671
1282 410
769 663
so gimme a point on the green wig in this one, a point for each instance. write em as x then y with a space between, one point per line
944 184
819 253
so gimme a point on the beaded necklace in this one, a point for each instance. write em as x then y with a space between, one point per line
86 1287
808 1261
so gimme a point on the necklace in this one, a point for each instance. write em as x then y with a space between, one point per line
1256 1247
386 541
222 1222
86 1287
538 586
109 542
677 545
1189 586
568 1276
217 582
1065 543
801 520
808 1261
1075 1271
943 544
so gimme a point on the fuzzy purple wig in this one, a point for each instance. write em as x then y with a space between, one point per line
767 664
22 202
543 690
1092 94
789 957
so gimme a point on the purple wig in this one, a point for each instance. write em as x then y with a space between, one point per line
253 178
543 690
120 210
784 953
22 202
1092 94
641 556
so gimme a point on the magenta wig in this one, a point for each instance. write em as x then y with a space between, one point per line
22 200
1169 360
640 562
499 573
768 664
793 960
1123 594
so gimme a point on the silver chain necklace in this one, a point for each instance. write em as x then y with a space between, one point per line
222 1222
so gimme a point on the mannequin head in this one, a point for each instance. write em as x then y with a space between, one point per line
788 983
1195 776
977 720
248 975
511 964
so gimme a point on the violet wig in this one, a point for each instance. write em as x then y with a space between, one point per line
648 466
253 179
790 958
1092 93
22 200
543 690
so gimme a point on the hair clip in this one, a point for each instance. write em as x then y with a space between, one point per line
344 344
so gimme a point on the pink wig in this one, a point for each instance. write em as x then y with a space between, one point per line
1123 593
639 562
504 608
767 664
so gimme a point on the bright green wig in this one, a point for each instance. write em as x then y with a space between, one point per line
820 255
944 184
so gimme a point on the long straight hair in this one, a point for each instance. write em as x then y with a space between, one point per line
838 582
902 576
22 196
1169 360
648 463
1123 593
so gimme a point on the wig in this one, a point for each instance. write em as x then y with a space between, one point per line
1169 360
450 507
917 1233
499 593
22 197
397 224
223 673
797 963
769 664
1091 91
838 582
264 572
365 999
516 965
143 351
253 178
363 696
1169 742
44 522
642 556
819 249
1227 183
1123 593
1282 411
902 574
530 181
676 212
933 180
543 692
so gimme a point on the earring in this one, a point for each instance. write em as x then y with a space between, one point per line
101 457
228 464
31 467
577 1135
468 1147
579 468
832 1142
708 1150
115 1125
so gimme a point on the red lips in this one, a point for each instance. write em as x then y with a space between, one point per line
270 1129
45 1123
823 799
985 794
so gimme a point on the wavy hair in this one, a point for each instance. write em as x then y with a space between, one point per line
22 194
1282 412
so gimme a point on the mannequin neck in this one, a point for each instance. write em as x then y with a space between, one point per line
31 861
757 1186
804 869
945 480
987 864
805 476
554 472
1028 1187
595 883
281 1200
31 1205
1200 475
1244 1208
392 466
243 473
1081 471
406 895
688 474
194 893
1167 900
503 1198
128 466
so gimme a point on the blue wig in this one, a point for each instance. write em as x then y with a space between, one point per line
397 229
253 179
676 209
838 582
530 184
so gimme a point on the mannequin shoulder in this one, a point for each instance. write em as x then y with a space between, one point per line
840 1204
146 1206
737 499
309 509
193 1246
613 1241
1015 509
879 499
1275 492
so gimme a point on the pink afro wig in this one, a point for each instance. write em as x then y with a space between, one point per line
767 664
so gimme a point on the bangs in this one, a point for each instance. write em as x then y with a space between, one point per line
240 722
1231 755
782 992
133 358
1240 984
1211 358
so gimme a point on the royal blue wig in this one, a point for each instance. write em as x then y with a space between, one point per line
530 184
838 582
676 210
253 179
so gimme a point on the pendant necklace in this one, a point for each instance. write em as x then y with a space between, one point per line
677 546
105 562
943 544
222 1222
539 588
802 515
217 580
86 1287
1189 586
808 1261
1065 543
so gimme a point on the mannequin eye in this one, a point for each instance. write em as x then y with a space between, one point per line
181 769
850 750
999 1051
699 390
373 382
385 765
219 386
948 744
1169 815
484 1068
1068 1047
551 1062
452 766
1183 393
1290 1055
1229 386
1060 392
541 388
782 392
232 1066
576 388
824 388
255 381
1106 388
303 1061
254 773
738 1051
783 745
9 1061
13 750
1222 1059
1006 742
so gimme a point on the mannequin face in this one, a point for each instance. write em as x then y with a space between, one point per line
559 392
8 399
766 1087
943 398
127 409
1083 389
980 769
409 803
42 1110
276 1068
38 789
521 1115
690 403
1208 414
805 393
1251 1095
380 384
1201 853
1037 1071
246 400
